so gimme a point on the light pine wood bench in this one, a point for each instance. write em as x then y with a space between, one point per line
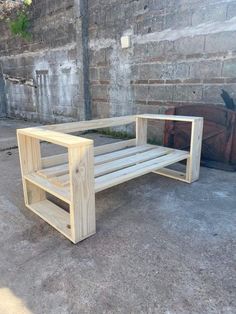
76 176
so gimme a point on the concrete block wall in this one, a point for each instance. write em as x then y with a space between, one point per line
74 67
182 52
44 76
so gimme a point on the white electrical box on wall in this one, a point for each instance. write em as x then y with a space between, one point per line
125 41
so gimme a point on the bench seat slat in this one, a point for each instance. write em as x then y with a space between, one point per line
59 159
156 159
101 159
129 161
132 172
115 165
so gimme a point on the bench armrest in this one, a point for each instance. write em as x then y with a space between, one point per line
57 138
193 162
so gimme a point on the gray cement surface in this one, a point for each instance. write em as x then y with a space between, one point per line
161 246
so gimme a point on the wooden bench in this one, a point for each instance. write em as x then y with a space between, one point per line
76 176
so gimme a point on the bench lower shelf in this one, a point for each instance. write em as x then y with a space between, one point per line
54 215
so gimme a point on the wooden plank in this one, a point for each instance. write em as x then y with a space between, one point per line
61 181
125 161
30 161
54 160
63 158
54 171
64 168
173 174
129 161
53 215
103 149
82 208
122 153
46 185
167 117
193 162
141 131
65 140
90 124
120 176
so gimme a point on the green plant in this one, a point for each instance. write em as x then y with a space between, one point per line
19 26
27 2
116 134
16 14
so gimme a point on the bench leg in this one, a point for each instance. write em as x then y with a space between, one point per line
82 208
141 131
193 162
30 161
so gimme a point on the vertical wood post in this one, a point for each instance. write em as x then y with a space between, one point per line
30 161
193 162
141 131
82 208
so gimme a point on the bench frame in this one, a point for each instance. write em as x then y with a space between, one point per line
80 222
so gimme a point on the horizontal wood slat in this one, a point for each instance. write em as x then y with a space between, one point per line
46 185
54 215
118 164
168 117
98 150
132 172
90 124
57 138
178 175
64 168
129 161
102 159
107 163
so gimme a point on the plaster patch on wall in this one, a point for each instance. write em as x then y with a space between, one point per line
170 34
120 93
39 53
21 100
101 44
57 87
174 34
19 80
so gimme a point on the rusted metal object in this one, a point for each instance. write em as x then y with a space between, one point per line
219 134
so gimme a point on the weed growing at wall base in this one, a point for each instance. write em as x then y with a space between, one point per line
15 13
19 26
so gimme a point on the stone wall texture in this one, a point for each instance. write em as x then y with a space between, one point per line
182 52
50 65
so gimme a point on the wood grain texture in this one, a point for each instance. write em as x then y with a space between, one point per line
173 174
103 149
57 138
193 162
82 209
30 161
90 124
167 117
53 215
98 150
48 186
141 131
120 176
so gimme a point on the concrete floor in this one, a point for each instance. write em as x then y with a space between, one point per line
161 246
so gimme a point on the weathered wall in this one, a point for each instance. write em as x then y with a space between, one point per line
44 77
182 52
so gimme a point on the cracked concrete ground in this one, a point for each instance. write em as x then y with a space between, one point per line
161 246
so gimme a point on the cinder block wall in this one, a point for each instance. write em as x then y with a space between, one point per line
182 52
44 76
